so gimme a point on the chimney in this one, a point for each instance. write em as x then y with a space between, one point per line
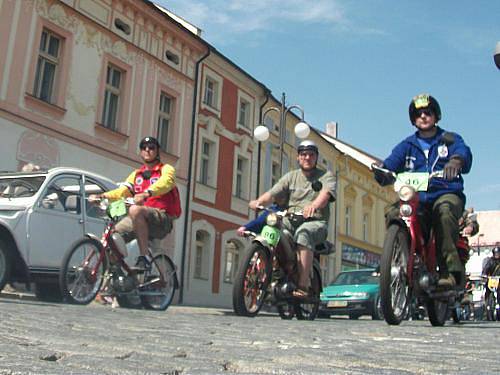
331 128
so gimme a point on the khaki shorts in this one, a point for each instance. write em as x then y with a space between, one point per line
308 234
159 225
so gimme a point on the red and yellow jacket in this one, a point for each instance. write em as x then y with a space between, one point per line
159 181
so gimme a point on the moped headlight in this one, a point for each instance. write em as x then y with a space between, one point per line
272 219
405 210
406 193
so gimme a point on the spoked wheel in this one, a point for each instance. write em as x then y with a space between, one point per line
158 287
394 288
438 311
286 311
308 310
81 274
250 285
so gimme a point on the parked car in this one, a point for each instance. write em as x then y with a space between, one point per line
353 293
41 214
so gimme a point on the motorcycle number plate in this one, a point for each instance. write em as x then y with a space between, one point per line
493 282
417 180
117 208
336 304
271 234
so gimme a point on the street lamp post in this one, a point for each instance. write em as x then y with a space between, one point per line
302 129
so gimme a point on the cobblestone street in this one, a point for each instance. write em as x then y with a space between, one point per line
61 339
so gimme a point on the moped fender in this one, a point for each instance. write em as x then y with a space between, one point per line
261 240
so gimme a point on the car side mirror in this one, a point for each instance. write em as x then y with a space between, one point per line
317 185
448 138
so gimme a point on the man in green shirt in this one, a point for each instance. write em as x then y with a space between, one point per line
310 189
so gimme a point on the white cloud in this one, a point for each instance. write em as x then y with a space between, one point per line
220 18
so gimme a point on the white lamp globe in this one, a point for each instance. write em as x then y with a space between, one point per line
261 133
302 130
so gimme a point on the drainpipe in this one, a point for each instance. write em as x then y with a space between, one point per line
259 144
190 173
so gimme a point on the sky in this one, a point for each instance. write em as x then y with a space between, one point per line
359 63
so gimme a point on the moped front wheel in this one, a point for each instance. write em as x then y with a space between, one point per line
252 281
81 274
394 284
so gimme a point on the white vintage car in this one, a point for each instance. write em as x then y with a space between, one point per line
41 214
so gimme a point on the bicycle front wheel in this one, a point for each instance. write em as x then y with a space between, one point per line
81 274
158 287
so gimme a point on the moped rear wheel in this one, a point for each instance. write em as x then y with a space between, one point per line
394 284
308 310
437 311
286 311
158 287
78 283
252 281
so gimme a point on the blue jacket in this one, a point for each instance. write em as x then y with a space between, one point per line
408 156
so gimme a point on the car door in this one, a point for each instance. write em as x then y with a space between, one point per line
52 226
94 218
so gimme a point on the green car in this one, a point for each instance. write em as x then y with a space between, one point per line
353 293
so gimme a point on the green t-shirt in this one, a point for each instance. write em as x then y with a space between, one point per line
300 191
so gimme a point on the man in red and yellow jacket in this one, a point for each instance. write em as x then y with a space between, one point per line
156 199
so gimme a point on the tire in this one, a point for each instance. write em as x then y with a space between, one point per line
286 311
77 284
437 310
377 313
252 281
394 288
160 282
5 264
490 307
309 310
48 292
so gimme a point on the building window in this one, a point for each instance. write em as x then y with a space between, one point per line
232 261
201 255
164 117
211 92
366 227
206 162
348 220
47 66
114 78
241 178
244 113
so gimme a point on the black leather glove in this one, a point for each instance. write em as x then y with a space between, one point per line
452 168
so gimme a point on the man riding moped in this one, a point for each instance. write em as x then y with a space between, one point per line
430 150
299 185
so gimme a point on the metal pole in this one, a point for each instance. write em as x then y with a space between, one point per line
282 131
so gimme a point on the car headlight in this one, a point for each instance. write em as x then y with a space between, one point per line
405 210
272 219
406 193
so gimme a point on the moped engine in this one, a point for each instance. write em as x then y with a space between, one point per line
123 284
282 290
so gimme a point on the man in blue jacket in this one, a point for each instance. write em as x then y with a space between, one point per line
430 150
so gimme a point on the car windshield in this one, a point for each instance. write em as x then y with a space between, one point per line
356 277
20 187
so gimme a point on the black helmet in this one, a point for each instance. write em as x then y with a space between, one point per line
495 250
423 101
149 141
307 146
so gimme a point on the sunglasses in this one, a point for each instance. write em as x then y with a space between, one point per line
149 147
426 112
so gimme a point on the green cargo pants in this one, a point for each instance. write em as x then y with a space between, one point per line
443 215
